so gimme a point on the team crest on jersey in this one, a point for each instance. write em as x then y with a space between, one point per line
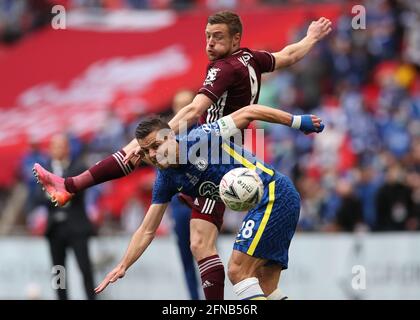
209 189
206 128
211 76
201 164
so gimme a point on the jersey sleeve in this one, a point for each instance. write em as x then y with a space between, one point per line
220 76
162 190
265 60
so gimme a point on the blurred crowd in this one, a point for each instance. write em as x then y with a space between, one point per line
361 174
20 17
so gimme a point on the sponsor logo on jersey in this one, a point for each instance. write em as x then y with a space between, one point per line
245 58
209 189
211 76
206 128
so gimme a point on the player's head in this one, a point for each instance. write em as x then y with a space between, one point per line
157 142
223 34
59 147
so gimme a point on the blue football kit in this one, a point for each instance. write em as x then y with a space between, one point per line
206 154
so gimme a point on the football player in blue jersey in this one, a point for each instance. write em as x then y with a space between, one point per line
195 163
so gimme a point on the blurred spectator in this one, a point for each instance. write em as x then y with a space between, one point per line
34 155
367 185
18 17
348 211
69 226
393 202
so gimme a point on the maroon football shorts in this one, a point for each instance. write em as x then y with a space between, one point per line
205 209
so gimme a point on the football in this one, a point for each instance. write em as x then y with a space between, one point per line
241 189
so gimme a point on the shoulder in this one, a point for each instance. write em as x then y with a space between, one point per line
223 65
240 58
254 52
162 179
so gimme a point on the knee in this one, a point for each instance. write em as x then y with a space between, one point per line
200 248
196 246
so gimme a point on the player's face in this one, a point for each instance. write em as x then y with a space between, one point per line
160 148
220 43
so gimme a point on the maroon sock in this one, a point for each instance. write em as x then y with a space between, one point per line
108 169
212 277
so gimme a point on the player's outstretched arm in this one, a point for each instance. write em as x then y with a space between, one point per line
191 113
296 51
140 240
306 123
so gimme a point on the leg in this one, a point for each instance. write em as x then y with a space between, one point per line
58 255
62 190
181 215
242 272
206 221
265 236
203 247
203 238
269 276
81 251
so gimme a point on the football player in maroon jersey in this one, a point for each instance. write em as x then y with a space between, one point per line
233 81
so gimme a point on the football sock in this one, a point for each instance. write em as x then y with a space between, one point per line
212 277
277 295
249 289
110 168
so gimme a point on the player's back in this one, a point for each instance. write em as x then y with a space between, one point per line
234 82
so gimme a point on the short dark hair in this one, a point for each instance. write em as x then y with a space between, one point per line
231 19
150 124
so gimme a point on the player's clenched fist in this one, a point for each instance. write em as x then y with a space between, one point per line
319 29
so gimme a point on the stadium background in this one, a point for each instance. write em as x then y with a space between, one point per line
118 60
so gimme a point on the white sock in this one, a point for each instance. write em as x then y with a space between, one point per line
249 289
277 295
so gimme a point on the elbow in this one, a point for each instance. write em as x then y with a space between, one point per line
149 235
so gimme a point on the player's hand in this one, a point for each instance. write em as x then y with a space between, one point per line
135 155
307 123
319 29
111 277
